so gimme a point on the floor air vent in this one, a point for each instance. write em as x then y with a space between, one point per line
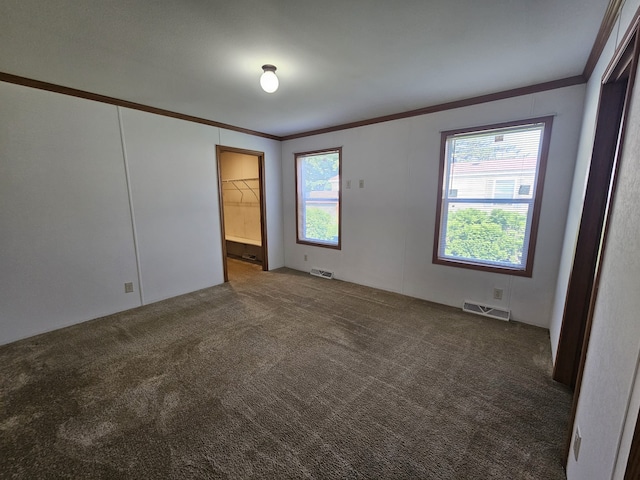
321 273
486 310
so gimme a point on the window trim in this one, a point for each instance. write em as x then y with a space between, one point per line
537 198
297 156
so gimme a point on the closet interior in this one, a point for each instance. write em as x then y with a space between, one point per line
241 202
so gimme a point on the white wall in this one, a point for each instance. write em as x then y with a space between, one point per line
388 227
69 228
174 191
610 395
66 244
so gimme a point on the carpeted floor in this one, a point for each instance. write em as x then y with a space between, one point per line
283 375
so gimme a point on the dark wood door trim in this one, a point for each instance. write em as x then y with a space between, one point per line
632 471
612 100
623 48
223 242
614 75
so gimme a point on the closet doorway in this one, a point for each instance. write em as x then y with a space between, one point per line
242 209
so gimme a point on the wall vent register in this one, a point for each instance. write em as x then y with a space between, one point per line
321 273
486 310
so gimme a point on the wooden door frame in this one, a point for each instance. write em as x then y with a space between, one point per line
220 149
622 69
587 248
632 470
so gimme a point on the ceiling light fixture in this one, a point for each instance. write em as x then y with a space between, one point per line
269 80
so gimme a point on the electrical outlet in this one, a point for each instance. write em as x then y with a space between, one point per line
348 183
305 257
360 183
128 287
497 294
577 440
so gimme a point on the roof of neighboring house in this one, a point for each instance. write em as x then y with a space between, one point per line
494 166
331 195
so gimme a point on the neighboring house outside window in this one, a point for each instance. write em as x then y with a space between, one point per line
491 181
318 198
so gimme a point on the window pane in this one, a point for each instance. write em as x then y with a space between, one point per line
488 165
504 188
495 233
488 195
319 197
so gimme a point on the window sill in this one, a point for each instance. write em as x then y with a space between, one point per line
518 272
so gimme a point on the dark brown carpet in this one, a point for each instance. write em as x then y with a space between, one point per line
283 375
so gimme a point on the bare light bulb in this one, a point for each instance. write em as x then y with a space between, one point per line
269 80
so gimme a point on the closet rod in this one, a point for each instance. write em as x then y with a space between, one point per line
244 181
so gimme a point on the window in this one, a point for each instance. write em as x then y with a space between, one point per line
491 181
504 188
318 197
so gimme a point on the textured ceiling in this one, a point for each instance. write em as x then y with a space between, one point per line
338 60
